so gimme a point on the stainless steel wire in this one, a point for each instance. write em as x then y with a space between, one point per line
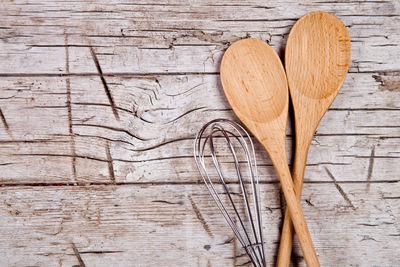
247 225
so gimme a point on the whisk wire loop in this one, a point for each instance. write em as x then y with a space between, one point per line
250 239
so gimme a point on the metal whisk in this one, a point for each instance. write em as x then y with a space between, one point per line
246 226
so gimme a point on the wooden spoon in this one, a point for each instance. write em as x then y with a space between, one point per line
255 84
317 58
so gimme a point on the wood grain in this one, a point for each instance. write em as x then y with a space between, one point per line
160 63
157 225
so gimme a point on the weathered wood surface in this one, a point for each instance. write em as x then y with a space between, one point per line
95 93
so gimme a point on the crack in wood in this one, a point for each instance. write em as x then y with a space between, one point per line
103 80
110 163
6 163
187 91
162 144
217 38
101 251
66 45
358 2
104 138
78 256
52 107
228 241
168 202
257 20
41 184
108 105
340 189
69 110
368 224
3 119
201 218
101 105
184 114
379 126
238 256
308 201
59 155
153 91
368 157
99 159
123 74
391 197
367 237
370 168
364 109
113 129
247 263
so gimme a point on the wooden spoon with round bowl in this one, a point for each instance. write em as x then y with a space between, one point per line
317 57
255 85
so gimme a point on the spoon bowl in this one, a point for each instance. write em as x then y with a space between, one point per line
254 80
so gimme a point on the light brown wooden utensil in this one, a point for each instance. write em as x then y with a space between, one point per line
255 85
317 58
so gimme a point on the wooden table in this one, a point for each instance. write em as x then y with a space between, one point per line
99 105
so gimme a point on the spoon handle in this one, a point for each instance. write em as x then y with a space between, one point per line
295 211
299 165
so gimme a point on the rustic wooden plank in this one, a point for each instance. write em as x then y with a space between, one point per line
159 225
150 101
157 119
178 38
30 161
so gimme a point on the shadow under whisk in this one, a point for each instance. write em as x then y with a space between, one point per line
220 144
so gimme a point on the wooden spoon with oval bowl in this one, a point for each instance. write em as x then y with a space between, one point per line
255 85
317 58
